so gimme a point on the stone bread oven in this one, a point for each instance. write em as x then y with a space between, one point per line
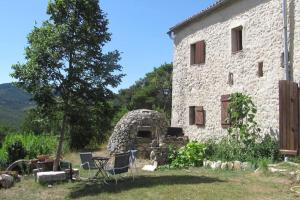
138 129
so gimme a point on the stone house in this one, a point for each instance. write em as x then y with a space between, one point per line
232 46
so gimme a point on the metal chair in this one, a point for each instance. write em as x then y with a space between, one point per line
121 165
132 159
86 161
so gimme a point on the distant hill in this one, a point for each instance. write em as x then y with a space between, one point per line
13 104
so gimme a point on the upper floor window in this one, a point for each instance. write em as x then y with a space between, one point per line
237 39
198 53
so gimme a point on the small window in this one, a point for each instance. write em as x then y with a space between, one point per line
196 115
237 39
230 78
260 71
198 53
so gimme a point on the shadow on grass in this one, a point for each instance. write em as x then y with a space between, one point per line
93 188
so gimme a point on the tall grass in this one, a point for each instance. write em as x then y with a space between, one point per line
33 144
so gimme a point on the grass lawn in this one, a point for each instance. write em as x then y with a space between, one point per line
195 183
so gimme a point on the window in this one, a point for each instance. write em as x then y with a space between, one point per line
196 115
237 39
225 120
198 53
260 71
230 78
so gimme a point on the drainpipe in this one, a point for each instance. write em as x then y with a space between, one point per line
286 50
285 35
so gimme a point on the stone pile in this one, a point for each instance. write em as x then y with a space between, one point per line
235 165
124 136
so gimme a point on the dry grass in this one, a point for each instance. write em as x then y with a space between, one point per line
195 183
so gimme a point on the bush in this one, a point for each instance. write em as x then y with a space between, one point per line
33 145
16 151
230 150
190 155
3 158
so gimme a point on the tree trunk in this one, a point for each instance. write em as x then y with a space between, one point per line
60 144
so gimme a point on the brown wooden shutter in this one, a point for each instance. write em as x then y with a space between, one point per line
288 117
192 115
200 52
199 116
224 111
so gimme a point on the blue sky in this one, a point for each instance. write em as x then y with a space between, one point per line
138 30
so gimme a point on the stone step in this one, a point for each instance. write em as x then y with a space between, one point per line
50 177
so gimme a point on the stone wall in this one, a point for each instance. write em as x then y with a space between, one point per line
124 136
203 85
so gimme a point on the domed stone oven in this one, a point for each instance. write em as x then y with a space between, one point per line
138 129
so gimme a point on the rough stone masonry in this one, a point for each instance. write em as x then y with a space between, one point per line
203 84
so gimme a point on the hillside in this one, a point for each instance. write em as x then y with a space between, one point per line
13 103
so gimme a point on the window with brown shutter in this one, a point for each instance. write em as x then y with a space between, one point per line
198 53
199 116
192 115
224 111
260 71
196 115
237 39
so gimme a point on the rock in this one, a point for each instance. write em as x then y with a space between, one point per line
6 181
213 165
298 177
229 165
293 173
48 177
224 165
237 165
206 163
216 165
209 164
246 166
149 168
274 170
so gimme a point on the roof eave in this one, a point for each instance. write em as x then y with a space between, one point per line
203 13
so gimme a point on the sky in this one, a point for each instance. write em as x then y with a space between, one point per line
138 30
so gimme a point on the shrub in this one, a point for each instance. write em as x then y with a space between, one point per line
3 158
190 155
33 145
230 150
16 151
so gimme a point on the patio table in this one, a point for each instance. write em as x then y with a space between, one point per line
100 163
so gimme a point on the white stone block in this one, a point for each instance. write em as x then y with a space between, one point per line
54 176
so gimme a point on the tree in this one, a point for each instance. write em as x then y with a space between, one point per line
154 91
66 67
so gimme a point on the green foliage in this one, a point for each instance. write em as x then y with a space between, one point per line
243 142
16 151
263 165
230 150
13 103
33 144
5 130
3 158
68 73
154 91
190 155
242 118
122 111
36 122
